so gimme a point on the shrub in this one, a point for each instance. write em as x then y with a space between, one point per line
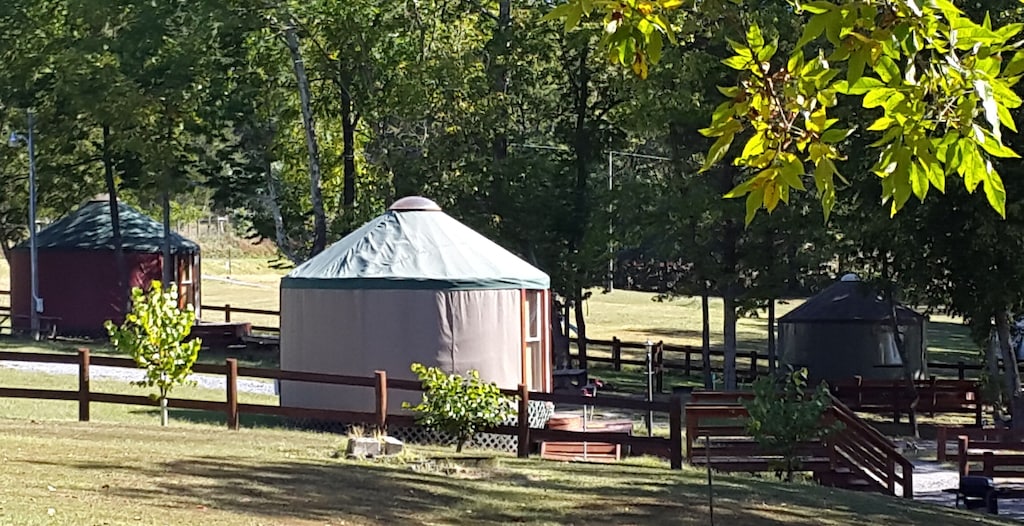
459 406
152 334
785 413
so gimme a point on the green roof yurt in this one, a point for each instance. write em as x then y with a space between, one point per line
412 285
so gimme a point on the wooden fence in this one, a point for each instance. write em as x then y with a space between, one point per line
380 417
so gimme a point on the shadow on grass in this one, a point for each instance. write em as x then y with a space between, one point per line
264 357
951 342
512 492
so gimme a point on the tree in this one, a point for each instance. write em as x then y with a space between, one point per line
786 414
461 406
942 81
153 334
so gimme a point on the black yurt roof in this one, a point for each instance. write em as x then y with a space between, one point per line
849 300
90 228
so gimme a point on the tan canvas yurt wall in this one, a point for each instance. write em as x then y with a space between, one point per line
412 286
391 329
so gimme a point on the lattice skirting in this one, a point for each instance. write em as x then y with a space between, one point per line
540 413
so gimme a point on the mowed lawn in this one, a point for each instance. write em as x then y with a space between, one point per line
69 473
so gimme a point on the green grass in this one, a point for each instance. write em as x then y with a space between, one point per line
59 473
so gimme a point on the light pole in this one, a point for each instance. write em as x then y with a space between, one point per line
36 302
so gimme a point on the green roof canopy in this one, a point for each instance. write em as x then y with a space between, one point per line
90 228
415 246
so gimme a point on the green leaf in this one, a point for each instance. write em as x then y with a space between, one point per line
817 7
855 67
1015 66
754 37
862 86
886 69
836 135
737 62
919 181
718 150
812 30
573 16
877 97
994 190
754 200
654 46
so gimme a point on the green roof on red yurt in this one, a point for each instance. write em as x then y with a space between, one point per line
415 245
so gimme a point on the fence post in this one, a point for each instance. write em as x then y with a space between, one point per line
617 353
83 385
940 444
523 448
960 370
961 449
675 434
659 356
232 389
988 464
381 388
227 313
686 363
753 364
978 418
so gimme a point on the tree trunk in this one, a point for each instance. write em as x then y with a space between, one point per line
280 236
1011 374
348 132
729 330
309 124
120 266
163 411
772 358
706 336
168 258
581 326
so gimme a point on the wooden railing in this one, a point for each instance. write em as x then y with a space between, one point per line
721 414
946 436
686 359
381 417
870 451
1000 458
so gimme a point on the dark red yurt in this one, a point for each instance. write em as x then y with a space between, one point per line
77 268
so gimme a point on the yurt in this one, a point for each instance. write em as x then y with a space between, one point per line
412 285
846 331
77 268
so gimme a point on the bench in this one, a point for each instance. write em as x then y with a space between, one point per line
982 492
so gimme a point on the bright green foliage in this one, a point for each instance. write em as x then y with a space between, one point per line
152 334
941 85
459 406
786 413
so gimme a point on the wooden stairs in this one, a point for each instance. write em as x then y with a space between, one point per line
857 457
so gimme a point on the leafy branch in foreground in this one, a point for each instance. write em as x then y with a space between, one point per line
940 84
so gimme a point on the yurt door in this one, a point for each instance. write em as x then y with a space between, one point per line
186 280
536 340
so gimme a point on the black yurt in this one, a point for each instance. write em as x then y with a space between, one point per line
846 331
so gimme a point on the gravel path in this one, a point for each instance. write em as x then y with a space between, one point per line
99 372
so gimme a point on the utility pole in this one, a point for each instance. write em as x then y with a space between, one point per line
36 303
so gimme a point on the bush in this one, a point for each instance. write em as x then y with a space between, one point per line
459 406
785 413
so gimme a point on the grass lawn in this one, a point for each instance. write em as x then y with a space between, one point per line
191 474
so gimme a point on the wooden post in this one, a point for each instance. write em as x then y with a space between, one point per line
940 444
961 448
960 370
988 464
659 356
691 428
687 367
978 418
617 353
935 395
227 313
83 385
675 434
890 474
381 388
753 364
232 389
523 448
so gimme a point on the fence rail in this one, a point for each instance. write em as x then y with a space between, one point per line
686 359
380 417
